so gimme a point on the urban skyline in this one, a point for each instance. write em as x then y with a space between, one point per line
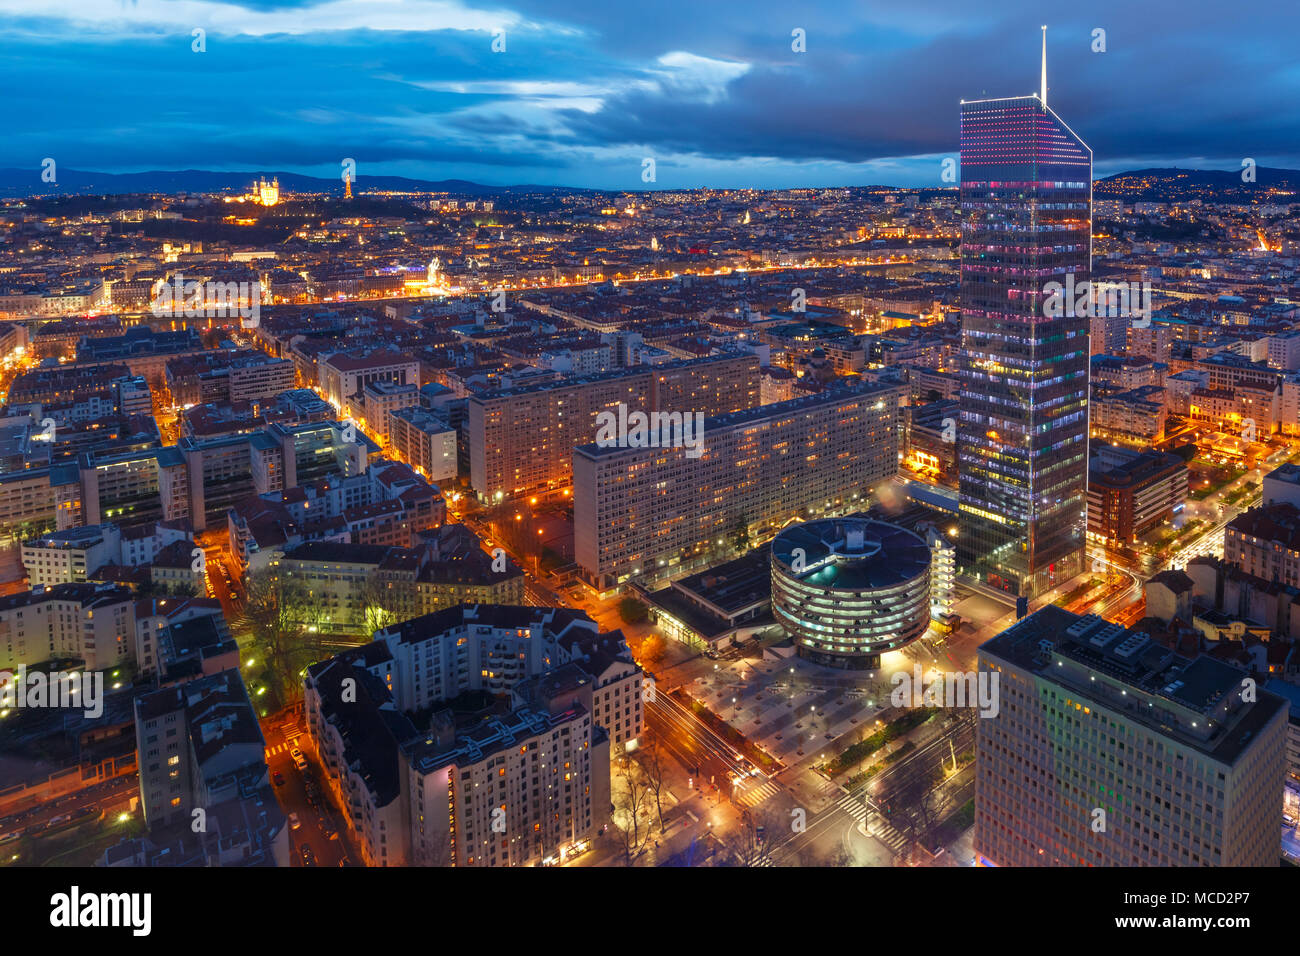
357 522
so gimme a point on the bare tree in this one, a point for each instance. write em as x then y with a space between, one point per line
922 800
650 755
281 616
379 605
631 807
750 844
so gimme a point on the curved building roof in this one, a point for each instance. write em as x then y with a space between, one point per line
852 553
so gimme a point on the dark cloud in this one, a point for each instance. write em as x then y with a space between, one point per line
878 82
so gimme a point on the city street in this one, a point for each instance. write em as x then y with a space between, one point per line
300 793
897 787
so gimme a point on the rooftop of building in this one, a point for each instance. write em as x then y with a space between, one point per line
852 553
1118 468
500 616
759 413
1201 686
1288 472
735 585
580 381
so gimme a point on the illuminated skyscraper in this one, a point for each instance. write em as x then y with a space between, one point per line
1026 206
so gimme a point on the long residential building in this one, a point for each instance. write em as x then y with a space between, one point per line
227 376
521 440
1108 749
651 512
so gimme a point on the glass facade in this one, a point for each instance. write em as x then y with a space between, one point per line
1026 207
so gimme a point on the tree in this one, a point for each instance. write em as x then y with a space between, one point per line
923 806
650 755
281 617
185 589
650 651
631 807
750 844
632 611
378 605
740 538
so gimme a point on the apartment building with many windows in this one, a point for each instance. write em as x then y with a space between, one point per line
521 440
1108 749
519 781
651 512
93 623
1265 542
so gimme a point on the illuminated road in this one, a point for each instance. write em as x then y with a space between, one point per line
702 752
892 783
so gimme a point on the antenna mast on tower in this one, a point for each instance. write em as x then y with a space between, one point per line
1042 95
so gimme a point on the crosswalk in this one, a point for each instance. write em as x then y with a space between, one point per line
752 796
880 828
289 743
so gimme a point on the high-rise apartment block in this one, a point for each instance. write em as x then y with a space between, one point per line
648 512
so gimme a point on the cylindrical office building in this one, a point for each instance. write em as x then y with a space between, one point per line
849 589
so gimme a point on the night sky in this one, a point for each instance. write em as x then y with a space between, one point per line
585 90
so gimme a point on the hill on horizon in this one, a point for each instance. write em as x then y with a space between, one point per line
1150 184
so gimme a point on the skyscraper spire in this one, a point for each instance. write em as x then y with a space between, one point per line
1042 95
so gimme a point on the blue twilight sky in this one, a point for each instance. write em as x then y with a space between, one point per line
586 89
